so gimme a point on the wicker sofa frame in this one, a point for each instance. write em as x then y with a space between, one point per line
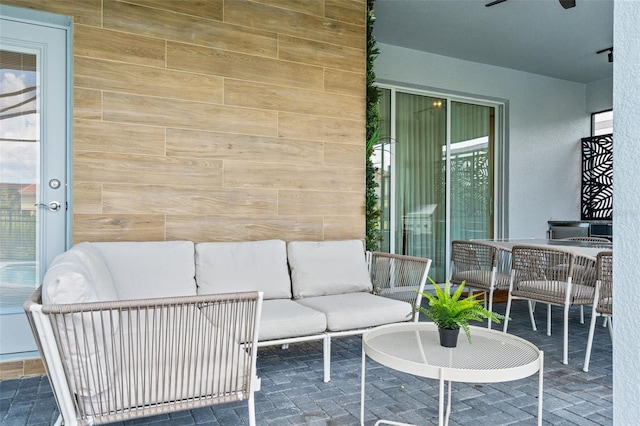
147 357
112 360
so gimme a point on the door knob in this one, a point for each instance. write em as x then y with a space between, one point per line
53 206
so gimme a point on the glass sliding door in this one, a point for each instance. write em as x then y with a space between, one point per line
471 171
420 198
382 161
440 171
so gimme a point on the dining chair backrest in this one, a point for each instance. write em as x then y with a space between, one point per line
542 273
473 262
504 263
604 271
480 266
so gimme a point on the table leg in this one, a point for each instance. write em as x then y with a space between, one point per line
441 401
540 387
446 419
364 356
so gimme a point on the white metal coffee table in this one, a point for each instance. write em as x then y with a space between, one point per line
414 348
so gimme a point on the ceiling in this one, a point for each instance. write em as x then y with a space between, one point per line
536 36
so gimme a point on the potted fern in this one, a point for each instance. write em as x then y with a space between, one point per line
451 313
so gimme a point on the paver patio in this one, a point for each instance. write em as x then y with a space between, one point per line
293 392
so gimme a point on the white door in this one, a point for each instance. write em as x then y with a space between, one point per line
33 171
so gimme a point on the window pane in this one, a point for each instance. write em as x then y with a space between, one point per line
19 165
382 160
602 123
471 183
420 181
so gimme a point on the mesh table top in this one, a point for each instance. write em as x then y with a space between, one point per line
414 348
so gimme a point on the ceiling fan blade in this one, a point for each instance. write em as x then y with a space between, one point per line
494 2
568 4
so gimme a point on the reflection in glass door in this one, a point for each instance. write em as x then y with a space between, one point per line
19 165
420 197
471 154
441 171
33 140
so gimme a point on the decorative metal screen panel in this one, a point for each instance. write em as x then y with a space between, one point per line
597 178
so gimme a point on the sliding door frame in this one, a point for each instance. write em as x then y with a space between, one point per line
500 159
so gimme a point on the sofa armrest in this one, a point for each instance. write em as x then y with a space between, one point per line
398 276
113 361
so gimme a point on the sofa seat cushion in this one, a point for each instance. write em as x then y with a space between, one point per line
149 269
481 279
358 310
554 292
228 267
321 268
284 318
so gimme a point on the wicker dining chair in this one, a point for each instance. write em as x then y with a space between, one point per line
587 240
602 299
480 266
553 276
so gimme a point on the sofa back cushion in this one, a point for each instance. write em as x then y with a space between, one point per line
143 270
321 268
227 267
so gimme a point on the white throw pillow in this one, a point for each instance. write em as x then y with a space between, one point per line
228 267
67 281
78 275
321 268
100 274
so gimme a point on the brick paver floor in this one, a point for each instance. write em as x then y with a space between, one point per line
293 392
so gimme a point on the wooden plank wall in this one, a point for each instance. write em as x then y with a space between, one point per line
217 120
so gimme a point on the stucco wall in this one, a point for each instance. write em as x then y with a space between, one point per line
626 216
599 95
216 120
546 119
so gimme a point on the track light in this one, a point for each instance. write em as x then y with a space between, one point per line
609 55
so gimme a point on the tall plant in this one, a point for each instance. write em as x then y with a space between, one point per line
373 235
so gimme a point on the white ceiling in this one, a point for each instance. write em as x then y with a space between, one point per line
536 36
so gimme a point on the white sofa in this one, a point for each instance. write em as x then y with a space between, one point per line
303 290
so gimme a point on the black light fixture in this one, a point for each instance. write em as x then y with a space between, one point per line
567 4
609 55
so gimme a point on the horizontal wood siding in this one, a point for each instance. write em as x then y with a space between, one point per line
217 120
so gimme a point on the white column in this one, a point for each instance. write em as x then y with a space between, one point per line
626 219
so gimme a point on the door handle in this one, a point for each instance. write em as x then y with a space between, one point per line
53 206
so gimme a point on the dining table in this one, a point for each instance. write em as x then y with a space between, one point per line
583 248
